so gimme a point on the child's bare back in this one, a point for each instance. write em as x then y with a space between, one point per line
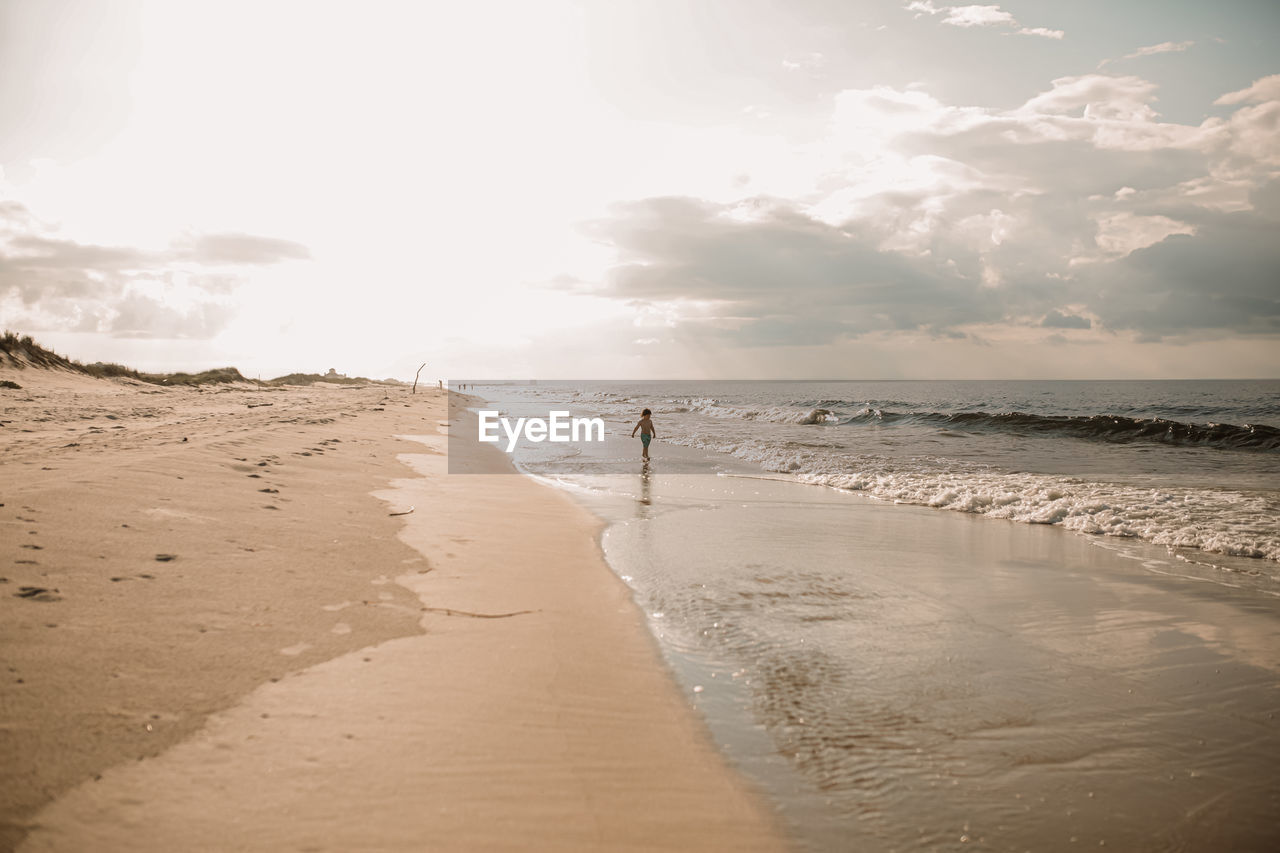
648 431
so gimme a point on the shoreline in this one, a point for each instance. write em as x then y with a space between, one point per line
897 678
559 723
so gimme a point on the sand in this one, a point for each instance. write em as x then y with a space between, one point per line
309 671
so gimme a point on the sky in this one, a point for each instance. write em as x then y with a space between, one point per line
624 189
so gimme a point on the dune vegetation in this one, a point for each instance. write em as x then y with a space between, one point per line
23 351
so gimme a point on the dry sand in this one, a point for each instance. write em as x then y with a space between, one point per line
297 676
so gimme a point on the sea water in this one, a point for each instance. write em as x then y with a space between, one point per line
1191 465
921 615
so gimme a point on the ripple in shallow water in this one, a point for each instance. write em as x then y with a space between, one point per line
930 678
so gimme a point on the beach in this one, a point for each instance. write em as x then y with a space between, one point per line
932 626
243 618
634 426
324 617
916 680
833 427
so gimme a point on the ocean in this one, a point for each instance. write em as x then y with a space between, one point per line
1008 615
1190 465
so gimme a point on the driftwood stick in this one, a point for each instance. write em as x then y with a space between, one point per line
415 379
447 611
406 512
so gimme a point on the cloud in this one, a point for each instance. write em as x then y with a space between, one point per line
49 281
37 252
246 249
1078 210
1264 89
1042 31
813 63
140 316
1059 320
1107 112
1247 140
1096 96
788 279
1221 279
979 16
1152 50
1163 47
779 278
976 16
1125 232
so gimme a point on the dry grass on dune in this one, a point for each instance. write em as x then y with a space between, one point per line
22 351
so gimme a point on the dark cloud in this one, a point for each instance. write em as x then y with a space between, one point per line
767 274
779 277
1225 278
1079 210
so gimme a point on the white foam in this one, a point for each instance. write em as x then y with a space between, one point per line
1219 521
1234 522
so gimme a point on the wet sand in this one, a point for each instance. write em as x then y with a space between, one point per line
901 678
309 671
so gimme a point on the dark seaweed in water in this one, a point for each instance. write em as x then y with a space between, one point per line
1117 428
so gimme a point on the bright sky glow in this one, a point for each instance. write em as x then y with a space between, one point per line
645 187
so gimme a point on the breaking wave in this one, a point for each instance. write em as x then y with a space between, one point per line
1115 428
1111 428
1213 520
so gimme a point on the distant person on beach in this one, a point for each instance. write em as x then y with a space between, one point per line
647 431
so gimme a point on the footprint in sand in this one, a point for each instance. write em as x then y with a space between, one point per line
295 650
333 608
37 593
340 629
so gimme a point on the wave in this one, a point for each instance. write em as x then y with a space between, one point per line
862 445
784 414
1114 428
1220 521
1109 427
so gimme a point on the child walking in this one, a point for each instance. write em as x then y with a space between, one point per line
647 431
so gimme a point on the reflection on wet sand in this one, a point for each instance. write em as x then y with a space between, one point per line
901 680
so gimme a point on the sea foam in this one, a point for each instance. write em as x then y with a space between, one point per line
1218 521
